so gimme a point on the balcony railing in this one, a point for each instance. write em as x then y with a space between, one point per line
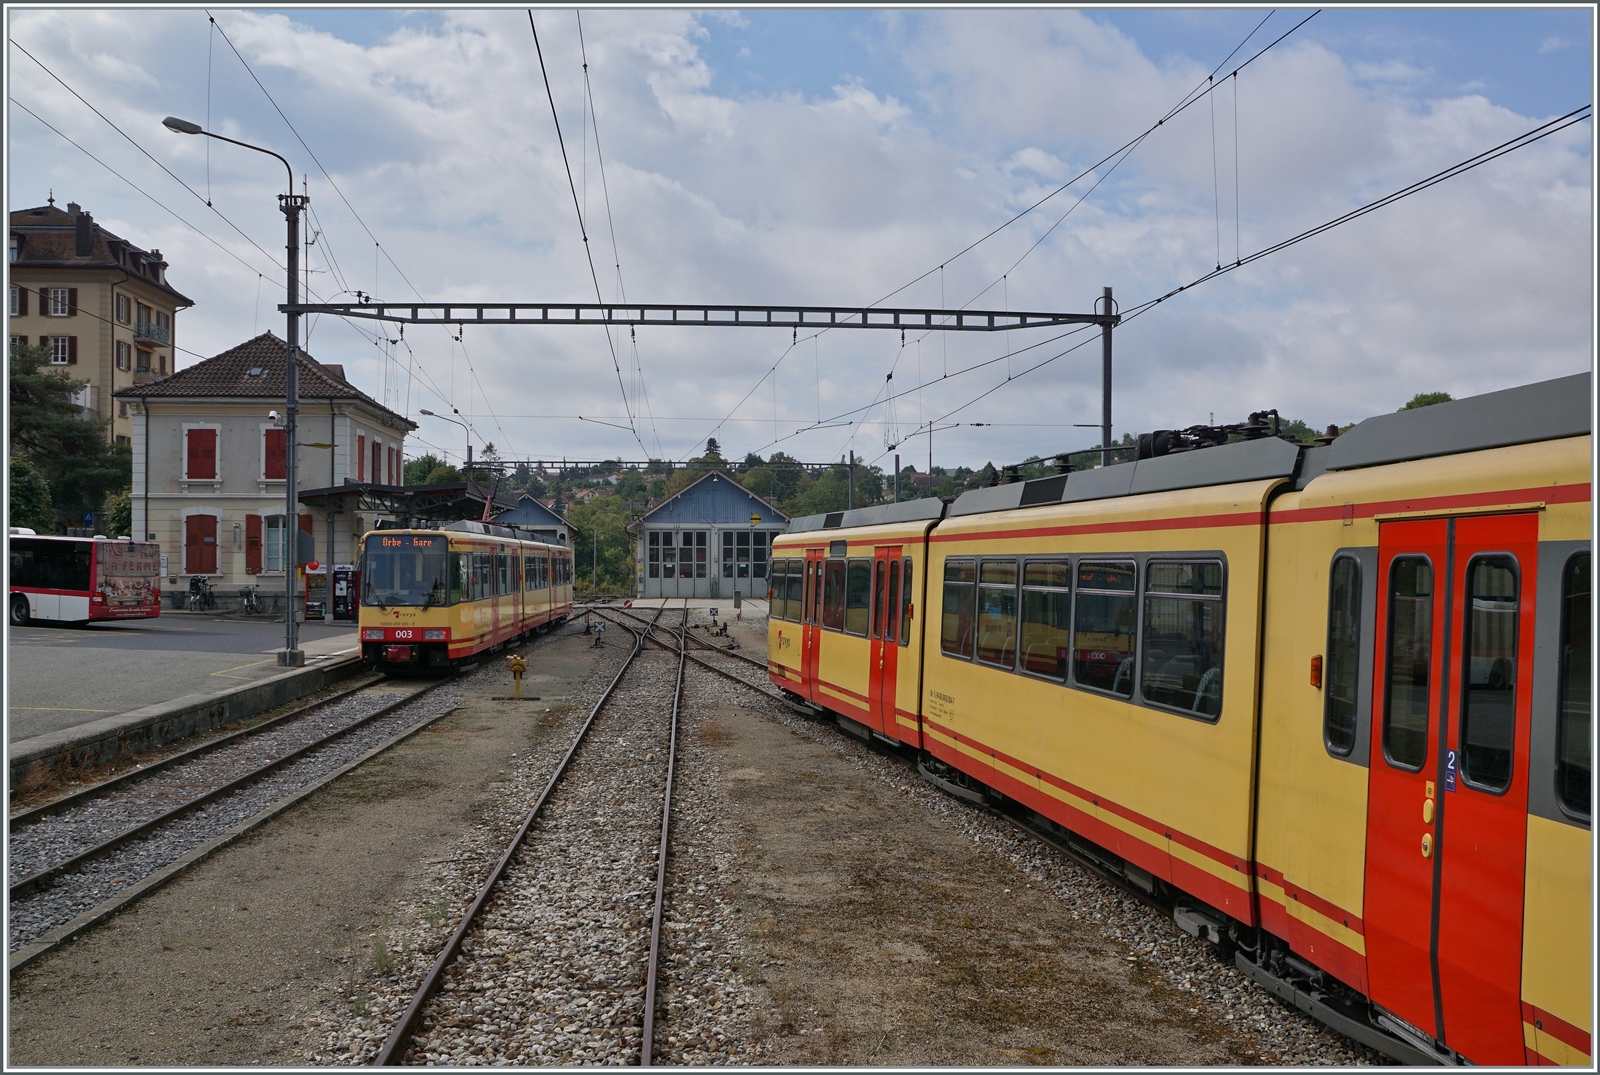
149 330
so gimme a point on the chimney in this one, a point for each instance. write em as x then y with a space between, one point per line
85 234
72 207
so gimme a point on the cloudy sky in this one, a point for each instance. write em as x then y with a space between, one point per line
835 157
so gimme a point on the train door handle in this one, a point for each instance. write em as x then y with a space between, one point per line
1427 845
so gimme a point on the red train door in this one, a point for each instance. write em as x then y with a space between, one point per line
884 655
1448 796
811 627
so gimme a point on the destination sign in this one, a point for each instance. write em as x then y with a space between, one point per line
407 541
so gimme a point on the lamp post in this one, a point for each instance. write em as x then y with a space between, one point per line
290 204
465 428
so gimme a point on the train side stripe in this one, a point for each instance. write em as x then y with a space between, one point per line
1189 522
1293 893
1091 799
1558 1028
1576 493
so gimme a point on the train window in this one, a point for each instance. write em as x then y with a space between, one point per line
776 596
460 577
796 589
1409 662
997 612
858 597
960 602
1105 616
1181 665
813 586
1489 690
1573 729
1343 652
504 571
892 630
1046 617
880 597
905 604
833 595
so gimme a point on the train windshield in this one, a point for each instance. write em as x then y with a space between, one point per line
404 569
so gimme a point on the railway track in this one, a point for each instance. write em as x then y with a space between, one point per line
80 859
524 910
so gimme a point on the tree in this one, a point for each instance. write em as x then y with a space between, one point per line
30 497
117 514
70 452
429 470
603 560
713 450
1427 399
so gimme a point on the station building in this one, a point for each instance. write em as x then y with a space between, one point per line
209 463
708 540
101 306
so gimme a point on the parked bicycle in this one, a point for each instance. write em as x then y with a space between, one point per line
201 598
248 601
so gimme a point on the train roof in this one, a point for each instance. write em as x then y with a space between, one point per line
907 511
1548 410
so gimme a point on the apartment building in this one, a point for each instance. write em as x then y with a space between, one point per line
101 305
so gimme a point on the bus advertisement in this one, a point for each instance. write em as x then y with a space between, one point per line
77 580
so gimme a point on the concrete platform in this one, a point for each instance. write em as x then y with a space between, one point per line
63 678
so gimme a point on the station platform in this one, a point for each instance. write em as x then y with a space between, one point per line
60 678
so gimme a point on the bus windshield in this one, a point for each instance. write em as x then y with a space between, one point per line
404 569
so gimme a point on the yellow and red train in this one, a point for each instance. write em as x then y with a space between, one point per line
438 598
1329 705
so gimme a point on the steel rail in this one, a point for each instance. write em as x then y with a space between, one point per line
700 661
695 639
394 1047
105 787
647 1039
43 877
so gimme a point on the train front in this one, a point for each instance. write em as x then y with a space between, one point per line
405 598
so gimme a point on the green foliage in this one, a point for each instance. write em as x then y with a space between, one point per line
1427 399
602 536
30 497
116 518
425 470
69 452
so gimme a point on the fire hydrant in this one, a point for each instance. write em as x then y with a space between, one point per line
516 666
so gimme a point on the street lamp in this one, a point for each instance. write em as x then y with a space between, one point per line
291 204
463 425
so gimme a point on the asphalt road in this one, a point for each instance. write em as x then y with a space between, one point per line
61 677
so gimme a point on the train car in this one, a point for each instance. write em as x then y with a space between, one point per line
863 591
81 580
1329 705
433 599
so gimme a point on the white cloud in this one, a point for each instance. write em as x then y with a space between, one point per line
441 137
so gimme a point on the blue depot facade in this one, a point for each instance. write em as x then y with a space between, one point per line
703 542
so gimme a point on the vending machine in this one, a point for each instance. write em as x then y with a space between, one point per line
346 604
316 592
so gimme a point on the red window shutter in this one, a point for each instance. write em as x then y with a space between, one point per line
305 523
202 452
361 459
72 347
277 454
252 544
377 467
200 545
72 302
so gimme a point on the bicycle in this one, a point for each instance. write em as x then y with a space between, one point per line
200 596
248 602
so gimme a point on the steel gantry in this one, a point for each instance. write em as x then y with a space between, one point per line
695 314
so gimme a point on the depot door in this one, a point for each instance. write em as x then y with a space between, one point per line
884 656
811 625
1448 795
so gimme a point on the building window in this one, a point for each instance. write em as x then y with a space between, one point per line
122 409
15 242
63 350
123 309
126 442
361 459
200 454
142 324
61 301
19 341
276 459
272 542
16 302
653 559
124 355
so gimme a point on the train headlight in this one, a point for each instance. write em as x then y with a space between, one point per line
434 635
372 634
